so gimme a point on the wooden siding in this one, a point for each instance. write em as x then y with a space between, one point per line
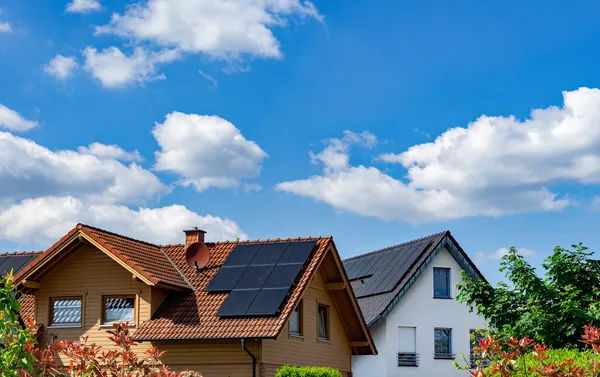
308 350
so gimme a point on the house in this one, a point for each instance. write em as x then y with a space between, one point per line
407 295
238 309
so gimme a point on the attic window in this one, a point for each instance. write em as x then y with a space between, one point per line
441 283
323 322
296 321
65 311
118 309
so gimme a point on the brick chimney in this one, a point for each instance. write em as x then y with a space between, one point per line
193 235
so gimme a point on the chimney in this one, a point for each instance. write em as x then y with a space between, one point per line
193 235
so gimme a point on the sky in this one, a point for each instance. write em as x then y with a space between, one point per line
373 122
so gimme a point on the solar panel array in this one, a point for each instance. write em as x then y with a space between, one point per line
14 262
258 277
382 271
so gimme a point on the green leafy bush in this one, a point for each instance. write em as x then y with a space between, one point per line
289 371
582 359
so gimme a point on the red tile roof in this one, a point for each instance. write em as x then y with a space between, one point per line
192 315
147 259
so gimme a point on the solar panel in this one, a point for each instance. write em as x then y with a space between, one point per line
14 263
225 279
237 303
297 252
241 255
267 302
283 275
269 253
254 277
259 277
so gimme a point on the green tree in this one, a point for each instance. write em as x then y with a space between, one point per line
551 309
16 342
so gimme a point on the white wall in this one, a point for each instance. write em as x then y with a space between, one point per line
418 308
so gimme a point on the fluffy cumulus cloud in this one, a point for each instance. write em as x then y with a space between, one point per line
114 69
111 152
5 27
46 219
83 6
207 151
220 29
61 67
28 169
11 120
491 167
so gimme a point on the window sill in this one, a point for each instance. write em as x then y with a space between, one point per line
442 298
297 336
110 325
323 340
444 357
64 327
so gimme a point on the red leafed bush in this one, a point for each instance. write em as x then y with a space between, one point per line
523 357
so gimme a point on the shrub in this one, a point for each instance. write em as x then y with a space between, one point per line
289 371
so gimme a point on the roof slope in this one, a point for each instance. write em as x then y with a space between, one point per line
381 277
147 259
192 315
17 261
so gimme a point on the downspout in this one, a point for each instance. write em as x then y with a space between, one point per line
251 356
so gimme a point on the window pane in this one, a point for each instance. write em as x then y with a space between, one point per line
119 309
66 311
295 322
441 282
323 322
442 341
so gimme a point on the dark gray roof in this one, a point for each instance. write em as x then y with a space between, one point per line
16 261
378 278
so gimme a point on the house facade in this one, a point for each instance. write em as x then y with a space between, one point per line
254 306
407 294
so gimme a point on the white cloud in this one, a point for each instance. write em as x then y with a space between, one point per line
115 69
5 27
61 67
83 6
28 169
492 167
220 29
336 155
46 219
11 120
206 151
111 152
499 253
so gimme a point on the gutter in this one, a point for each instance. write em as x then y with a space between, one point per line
251 356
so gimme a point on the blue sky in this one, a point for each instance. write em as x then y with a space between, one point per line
282 118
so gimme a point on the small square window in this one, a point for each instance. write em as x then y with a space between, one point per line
118 309
441 283
323 315
65 311
296 321
443 344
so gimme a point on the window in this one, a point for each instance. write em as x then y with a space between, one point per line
441 283
407 347
296 321
475 358
443 344
65 312
118 309
323 314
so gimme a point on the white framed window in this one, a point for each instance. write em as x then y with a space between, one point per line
118 308
65 311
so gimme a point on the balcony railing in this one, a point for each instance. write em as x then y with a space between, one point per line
408 359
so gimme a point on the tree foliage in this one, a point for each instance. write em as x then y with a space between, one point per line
551 309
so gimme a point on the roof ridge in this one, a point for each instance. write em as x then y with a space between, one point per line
117 234
398 245
17 253
291 239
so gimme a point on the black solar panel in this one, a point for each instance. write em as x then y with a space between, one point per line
15 263
241 255
237 303
297 252
268 275
269 253
254 277
225 279
267 302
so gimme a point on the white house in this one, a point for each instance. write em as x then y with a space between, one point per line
407 295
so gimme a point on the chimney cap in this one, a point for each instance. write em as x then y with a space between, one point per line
194 229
